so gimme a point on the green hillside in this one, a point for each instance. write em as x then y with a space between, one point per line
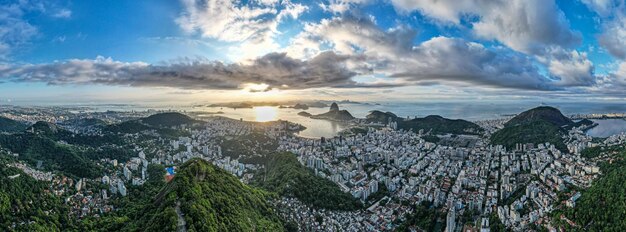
10 125
211 200
23 201
434 124
440 125
535 132
55 156
169 119
537 125
286 176
545 113
376 116
606 193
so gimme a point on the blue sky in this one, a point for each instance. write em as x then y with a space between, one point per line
221 50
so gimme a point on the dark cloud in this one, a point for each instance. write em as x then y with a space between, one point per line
276 70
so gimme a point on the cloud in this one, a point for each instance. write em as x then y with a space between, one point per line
14 30
524 25
601 7
613 38
618 77
254 24
276 70
455 60
341 6
572 68
613 22
440 59
62 13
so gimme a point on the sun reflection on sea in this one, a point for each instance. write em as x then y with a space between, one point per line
266 113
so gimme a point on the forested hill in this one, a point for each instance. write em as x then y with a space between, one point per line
543 113
25 205
169 119
10 125
210 200
434 124
538 125
286 176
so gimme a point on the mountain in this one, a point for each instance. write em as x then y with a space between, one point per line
538 125
85 122
544 113
335 114
44 128
127 127
440 125
286 176
10 125
376 116
169 119
203 197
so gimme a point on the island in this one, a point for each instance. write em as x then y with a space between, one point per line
335 114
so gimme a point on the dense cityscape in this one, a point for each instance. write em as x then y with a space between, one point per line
460 182
325 115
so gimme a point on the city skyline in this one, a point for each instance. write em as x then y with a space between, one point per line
271 50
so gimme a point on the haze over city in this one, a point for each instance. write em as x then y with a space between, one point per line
272 50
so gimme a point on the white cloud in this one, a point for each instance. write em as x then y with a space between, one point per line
438 60
341 6
253 26
524 25
602 7
14 30
573 68
613 38
63 13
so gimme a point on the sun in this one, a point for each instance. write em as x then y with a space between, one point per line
256 88
266 113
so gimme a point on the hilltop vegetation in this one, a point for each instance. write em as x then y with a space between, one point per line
24 201
534 132
286 176
169 119
606 193
376 116
542 113
162 124
10 125
211 200
434 124
55 156
537 125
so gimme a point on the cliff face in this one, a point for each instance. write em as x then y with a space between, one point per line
334 107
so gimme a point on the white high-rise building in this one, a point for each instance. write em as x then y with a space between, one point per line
121 188
127 173
450 222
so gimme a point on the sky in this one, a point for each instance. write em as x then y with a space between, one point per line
197 51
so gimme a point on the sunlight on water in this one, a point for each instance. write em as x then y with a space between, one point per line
266 113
